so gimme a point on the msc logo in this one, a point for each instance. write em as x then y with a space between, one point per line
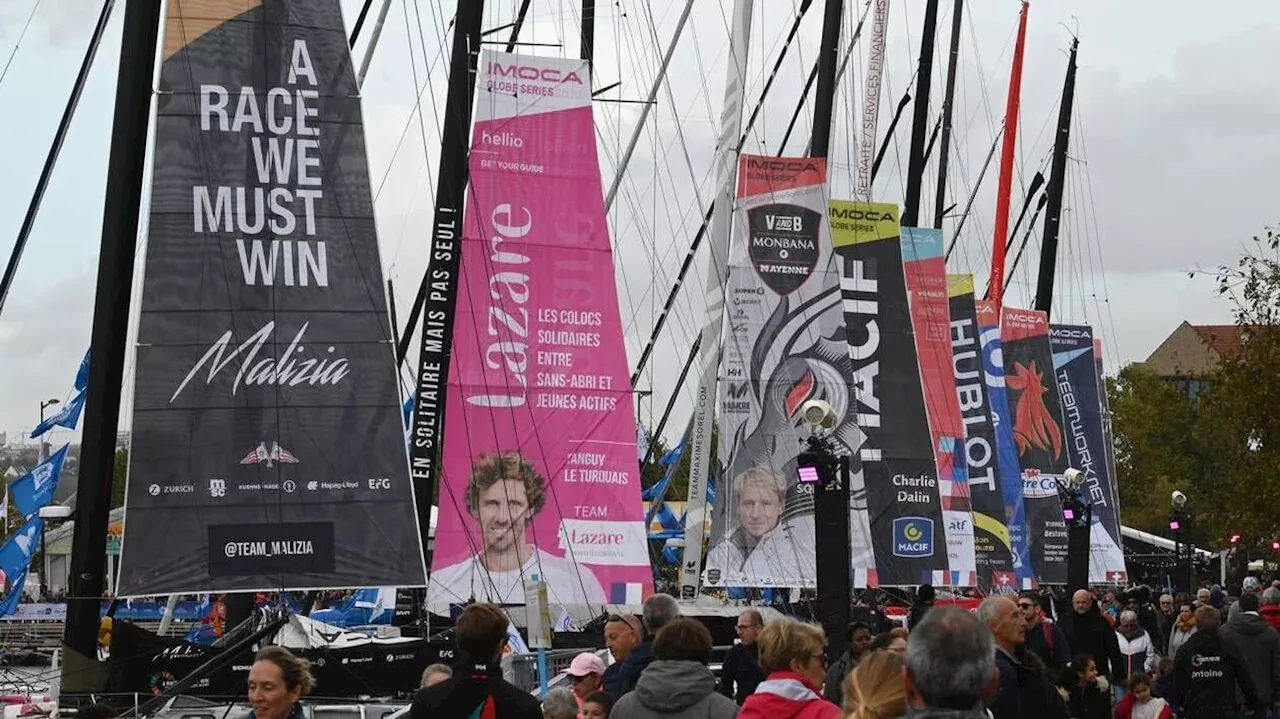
525 72
913 537
842 213
764 163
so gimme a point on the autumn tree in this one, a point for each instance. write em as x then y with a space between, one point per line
1153 426
1238 426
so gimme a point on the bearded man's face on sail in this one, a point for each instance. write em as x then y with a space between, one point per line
504 515
759 507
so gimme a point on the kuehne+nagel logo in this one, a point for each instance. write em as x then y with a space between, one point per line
912 537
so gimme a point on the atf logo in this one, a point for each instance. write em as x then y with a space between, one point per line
912 537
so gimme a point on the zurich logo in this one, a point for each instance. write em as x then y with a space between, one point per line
913 537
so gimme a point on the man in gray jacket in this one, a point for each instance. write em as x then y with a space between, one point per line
1259 645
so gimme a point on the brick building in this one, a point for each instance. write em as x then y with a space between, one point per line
1189 357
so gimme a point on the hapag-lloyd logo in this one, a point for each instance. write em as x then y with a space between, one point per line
528 72
292 368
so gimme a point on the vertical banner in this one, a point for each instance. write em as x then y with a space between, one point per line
784 344
1037 433
1076 374
268 451
926 276
1008 471
540 473
898 467
1108 441
992 548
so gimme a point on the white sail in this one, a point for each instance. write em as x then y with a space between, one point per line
717 275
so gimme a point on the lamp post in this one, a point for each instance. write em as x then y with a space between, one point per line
50 513
43 405
1077 514
1177 524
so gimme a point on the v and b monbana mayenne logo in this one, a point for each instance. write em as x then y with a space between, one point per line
1033 424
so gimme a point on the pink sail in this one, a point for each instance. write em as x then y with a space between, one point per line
540 477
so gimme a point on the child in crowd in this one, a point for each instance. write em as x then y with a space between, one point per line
1088 696
1139 704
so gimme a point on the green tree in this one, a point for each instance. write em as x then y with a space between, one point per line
119 474
1153 426
1239 426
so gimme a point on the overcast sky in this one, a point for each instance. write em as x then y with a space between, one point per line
1174 148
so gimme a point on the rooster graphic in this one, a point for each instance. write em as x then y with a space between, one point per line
1033 426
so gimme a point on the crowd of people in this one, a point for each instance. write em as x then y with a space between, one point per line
1100 656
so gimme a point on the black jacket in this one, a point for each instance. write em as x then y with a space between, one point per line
611 682
741 672
1259 646
1205 675
1090 633
470 688
634 664
1007 702
1087 701
1049 643
833 688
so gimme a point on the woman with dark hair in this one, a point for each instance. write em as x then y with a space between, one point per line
1088 696
277 681
677 683
894 640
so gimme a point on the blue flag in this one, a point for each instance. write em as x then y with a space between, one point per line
67 417
35 489
16 553
9 604
82 375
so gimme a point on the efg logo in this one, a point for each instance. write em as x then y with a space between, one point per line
912 537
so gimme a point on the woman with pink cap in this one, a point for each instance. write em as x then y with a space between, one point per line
586 672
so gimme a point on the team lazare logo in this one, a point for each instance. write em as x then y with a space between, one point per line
782 243
269 455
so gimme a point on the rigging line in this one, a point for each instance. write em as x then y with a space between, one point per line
18 44
973 194
355 31
702 230
373 41
813 75
647 107
46 172
517 25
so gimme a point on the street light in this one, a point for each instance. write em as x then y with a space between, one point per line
47 403
1179 518
48 513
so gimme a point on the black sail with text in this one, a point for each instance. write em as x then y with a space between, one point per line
268 449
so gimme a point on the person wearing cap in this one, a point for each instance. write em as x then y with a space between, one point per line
586 673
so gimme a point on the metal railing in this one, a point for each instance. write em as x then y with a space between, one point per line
48 635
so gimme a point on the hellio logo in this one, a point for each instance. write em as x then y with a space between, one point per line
913 537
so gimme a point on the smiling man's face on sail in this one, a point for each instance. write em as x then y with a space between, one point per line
505 493
504 515
759 502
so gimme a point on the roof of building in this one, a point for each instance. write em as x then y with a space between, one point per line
1225 340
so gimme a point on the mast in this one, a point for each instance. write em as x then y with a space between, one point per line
446 252
995 285
646 107
29 221
871 104
717 275
141 27
940 199
920 123
587 39
1057 179
825 95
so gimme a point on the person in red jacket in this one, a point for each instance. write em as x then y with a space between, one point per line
1138 702
1271 607
794 657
